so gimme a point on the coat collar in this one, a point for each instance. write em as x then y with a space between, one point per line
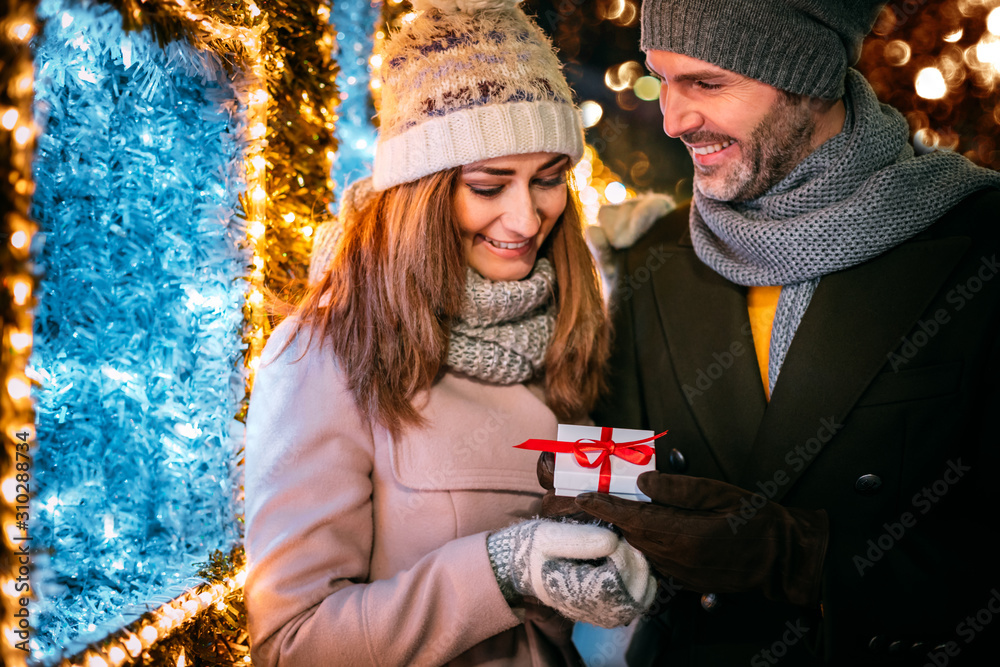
705 322
855 319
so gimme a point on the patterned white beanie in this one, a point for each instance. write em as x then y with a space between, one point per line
469 80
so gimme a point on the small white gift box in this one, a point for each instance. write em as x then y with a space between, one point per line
571 478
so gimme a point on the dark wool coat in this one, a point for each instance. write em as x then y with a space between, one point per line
884 414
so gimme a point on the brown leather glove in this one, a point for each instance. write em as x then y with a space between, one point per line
715 537
554 506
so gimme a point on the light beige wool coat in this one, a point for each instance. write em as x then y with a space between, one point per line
369 550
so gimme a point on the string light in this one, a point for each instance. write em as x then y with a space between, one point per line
130 642
17 410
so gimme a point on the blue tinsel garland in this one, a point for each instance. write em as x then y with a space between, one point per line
138 331
355 22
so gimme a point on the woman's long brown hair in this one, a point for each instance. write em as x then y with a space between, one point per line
387 302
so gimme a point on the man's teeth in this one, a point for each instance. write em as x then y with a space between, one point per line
506 246
708 150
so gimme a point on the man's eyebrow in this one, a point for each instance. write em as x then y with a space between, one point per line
699 75
493 171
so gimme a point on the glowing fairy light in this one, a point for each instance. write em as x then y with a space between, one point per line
591 112
930 84
954 36
117 655
9 489
23 31
615 192
21 290
988 51
20 341
133 645
149 634
9 119
288 217
993 21
22 135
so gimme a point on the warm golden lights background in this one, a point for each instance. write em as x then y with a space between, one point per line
939 63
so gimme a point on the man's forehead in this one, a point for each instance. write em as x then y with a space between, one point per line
678 67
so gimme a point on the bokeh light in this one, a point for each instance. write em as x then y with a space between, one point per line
930 84
591 112
647 88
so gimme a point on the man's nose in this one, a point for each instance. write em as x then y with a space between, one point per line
679 115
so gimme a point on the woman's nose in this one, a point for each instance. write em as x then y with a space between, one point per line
522 216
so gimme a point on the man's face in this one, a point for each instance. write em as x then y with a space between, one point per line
744 136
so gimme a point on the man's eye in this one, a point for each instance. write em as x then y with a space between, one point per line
707 86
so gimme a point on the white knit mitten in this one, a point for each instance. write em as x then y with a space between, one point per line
582 571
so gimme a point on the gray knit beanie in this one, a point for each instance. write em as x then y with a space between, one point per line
802 46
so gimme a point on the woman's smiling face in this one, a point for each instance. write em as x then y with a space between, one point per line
506 208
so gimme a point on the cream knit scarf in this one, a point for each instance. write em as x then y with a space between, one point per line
504 330
857 196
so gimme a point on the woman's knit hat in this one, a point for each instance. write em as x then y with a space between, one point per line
802 46
469 80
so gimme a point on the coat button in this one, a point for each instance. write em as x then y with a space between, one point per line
895 647
867 485
877 643
918 647
677 461
709 601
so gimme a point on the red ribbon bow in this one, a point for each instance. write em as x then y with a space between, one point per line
634 452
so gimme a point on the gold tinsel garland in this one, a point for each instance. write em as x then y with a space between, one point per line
17 146
286 46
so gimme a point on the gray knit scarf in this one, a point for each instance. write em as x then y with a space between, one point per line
504 330
857 196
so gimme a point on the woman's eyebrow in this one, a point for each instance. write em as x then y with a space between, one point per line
494 171
553 162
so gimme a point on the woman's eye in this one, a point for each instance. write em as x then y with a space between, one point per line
552 182
486 192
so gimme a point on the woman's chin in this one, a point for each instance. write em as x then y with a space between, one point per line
498 269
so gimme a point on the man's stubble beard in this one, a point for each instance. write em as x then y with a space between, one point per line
779 142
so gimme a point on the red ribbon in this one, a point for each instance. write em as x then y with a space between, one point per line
634 452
